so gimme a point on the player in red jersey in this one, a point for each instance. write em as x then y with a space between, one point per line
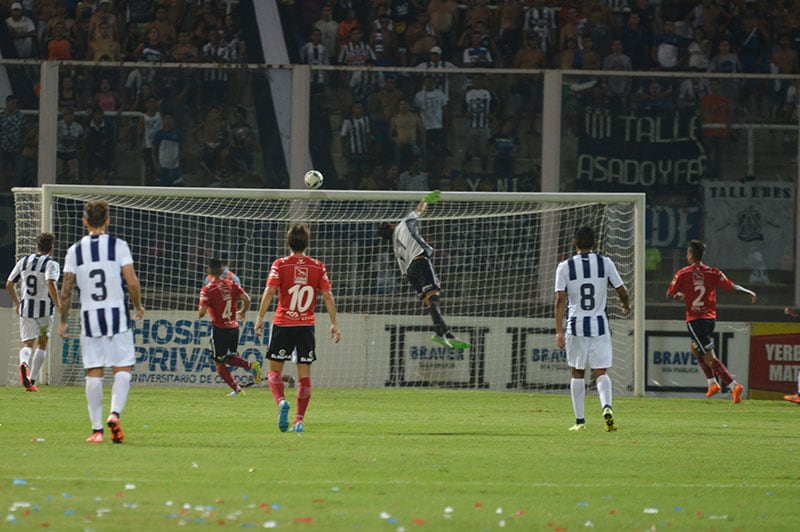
220 298
696 285
296 278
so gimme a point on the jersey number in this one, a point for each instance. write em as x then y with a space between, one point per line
587 297
31 284
226 314
302 296
101 292
701 292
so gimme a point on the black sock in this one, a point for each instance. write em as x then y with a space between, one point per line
439 326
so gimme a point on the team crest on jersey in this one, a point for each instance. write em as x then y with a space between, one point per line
300 275
698 279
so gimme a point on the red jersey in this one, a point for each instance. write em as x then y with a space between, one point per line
698 283
221 297
297 280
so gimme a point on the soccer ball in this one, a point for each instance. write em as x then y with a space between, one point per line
313 179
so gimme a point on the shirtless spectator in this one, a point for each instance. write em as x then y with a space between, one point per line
510 21
328 28
212 134
185 51
166 29
444 20
103 14
103 43
407 133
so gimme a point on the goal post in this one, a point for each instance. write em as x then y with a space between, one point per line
496 255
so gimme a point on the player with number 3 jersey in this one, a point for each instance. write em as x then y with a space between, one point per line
696 285
296 279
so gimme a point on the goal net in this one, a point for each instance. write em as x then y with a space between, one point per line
496 256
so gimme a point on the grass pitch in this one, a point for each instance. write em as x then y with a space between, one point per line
398 459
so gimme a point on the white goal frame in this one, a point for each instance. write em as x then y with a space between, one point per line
636 200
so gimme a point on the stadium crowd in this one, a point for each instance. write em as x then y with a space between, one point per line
394 130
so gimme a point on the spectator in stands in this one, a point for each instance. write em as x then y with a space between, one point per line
384 42
103 44
212 135
403 14
358 53
98 147
435 61
22 31
699 51
415 178
139 11
315 53
431 103
476 55
784 61
70 28
242 143
357 144
510 19
479 111
107 99
130 42
571 29
149 123
716 108
13 127
68 137
726 61
103 14
327 28
691 92
541 23
667 47
215 82
569 57
68 97
711 16
504 146
59 47
151 49
167 35
420 38
382 106
598 29
344 32
407 133
526 92
167 153
589 58
444 19
485 40
478 11
618 87
654 99
185 51
636 43
530 55
233 35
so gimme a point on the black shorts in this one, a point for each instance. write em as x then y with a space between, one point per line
285 340
422 277
224 343
701 331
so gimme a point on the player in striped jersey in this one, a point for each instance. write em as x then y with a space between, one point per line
413 256
582 286
220 299
296 279
35 306
101 266
696 285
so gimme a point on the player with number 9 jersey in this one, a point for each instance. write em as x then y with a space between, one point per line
297 279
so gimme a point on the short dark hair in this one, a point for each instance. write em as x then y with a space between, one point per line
297 237
386 231
697 248
96 213
215 267
584 237
44 242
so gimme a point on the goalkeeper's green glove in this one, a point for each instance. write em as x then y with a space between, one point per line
432 196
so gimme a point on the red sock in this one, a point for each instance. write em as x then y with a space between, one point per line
238 361
225 373
276 385
303 397
703 366
721 371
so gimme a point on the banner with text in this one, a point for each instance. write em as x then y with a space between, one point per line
640 151
774 358
750 225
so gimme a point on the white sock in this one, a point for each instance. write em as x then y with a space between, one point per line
732 384
119 391
577 389
25 356
712 381
604 389
36 363
94 399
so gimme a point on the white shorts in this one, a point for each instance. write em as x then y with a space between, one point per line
589 351
108 351
33 328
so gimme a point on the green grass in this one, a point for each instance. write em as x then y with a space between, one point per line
391 459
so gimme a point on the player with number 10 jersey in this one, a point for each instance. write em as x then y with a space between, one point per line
297 281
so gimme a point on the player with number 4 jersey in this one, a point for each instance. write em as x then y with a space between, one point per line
296 279
696 285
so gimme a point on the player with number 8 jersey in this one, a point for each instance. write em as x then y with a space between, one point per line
296 278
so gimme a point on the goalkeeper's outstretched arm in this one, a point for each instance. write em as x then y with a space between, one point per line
431 197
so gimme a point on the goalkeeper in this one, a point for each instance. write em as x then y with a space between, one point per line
413 256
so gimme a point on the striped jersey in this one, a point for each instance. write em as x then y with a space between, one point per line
408 243
478 103
357 135
97 261
585 278
34 271
297 280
